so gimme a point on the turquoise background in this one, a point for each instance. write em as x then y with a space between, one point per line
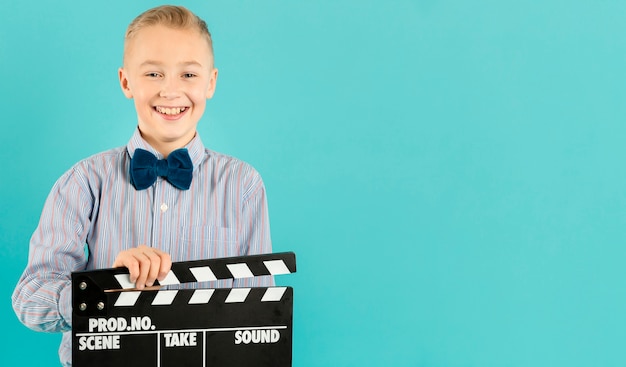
449 173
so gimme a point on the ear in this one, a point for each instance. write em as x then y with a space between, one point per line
124 83
213 80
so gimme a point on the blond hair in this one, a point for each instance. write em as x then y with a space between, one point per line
176 17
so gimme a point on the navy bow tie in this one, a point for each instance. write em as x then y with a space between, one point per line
145 168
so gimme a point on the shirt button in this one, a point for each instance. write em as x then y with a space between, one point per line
163 207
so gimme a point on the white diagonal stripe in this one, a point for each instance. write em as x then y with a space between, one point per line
164 298
237 295
201 296
124 280
203 274
127 298
273 294
170 279
240 270
276 267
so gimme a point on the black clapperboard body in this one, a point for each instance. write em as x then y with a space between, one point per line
184 327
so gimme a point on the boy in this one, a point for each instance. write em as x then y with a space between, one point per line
130 206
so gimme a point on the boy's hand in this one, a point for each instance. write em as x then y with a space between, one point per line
145 264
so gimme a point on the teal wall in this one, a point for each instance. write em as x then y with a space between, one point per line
451 174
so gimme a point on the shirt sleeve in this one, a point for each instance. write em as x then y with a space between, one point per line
42 298
255 229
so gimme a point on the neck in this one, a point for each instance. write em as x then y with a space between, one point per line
166 147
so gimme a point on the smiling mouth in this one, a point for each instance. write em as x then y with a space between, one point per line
170 111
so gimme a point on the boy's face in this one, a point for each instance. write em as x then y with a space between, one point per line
169 73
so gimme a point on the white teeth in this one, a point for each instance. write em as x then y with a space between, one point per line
170 111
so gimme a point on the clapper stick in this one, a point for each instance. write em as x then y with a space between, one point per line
184 327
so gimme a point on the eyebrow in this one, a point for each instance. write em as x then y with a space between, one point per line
157 63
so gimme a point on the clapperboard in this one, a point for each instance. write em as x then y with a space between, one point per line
184 327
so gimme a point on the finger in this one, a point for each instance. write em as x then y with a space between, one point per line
155 266
166 265
144 270
142 254
127 260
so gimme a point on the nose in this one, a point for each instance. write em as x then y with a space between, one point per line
170 88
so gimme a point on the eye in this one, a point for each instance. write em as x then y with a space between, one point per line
152 75
188 75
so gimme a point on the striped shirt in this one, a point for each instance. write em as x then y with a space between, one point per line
224 213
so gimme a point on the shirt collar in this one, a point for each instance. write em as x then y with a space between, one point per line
195 148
